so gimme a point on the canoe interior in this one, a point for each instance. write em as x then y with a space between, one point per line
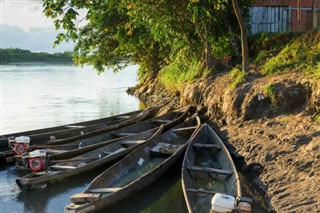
135 128
199 186
83 163
138 169
76 126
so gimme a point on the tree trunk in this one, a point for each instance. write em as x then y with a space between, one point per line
314 14
299 15
244 42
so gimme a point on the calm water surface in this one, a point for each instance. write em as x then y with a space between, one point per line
39 95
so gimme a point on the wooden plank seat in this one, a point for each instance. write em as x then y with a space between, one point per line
61 167
55 151
118 151
164 149
85 197
122 134
132 142
201 191
210 170
206 145
74 126
184 129
122 116
161 121
105 190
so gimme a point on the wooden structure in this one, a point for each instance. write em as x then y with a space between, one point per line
284 15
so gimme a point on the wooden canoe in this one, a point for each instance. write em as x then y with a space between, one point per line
40 135
137 170
167 120
105 155
64 151
207 169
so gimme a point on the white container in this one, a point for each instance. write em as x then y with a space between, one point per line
222 203
23 139
38 153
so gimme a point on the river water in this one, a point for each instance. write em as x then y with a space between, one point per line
41 95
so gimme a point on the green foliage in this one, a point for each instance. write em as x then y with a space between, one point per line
175 75
270 92
238 76
317 119
283 52
14 55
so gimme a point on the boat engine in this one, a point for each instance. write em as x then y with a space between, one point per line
20 145
37 160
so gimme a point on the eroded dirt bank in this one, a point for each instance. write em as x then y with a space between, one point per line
271 123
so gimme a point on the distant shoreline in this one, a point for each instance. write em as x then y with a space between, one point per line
18 56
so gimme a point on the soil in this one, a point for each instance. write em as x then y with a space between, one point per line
274 138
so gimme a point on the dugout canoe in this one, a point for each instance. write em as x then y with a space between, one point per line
137 170
207 169
64 151
103 156
45 133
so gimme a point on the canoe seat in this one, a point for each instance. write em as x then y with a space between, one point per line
132 142
201 191
104 190
164 149
185 129
74 126
61 167
85 197
122 134
161 121
118 151
210 170
55 151
122 116
206 145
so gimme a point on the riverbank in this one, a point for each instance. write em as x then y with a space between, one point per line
275 137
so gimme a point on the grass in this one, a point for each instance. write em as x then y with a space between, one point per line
270 92
238 77
317 118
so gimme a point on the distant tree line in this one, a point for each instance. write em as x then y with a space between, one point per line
15 55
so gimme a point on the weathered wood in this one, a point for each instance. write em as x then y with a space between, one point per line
210 170
165 148
105 190
85 197
161 121
209 145
185 129
123 134
74 126
122 117
60 167
132 142
202 191
55 151
73 160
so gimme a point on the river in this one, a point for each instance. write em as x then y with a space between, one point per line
40 95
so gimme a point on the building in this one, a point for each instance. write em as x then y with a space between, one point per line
284 15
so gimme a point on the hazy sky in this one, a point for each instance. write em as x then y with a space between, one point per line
23 25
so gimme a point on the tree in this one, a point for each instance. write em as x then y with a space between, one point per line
314 14
244 42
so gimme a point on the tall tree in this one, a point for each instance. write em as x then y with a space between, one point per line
299 14
244 40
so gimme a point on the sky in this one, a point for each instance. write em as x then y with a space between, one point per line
23 25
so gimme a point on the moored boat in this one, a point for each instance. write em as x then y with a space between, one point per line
58 170
45 133
64 151
209 177
137 170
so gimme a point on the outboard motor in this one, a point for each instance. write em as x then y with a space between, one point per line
37 160
20 145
